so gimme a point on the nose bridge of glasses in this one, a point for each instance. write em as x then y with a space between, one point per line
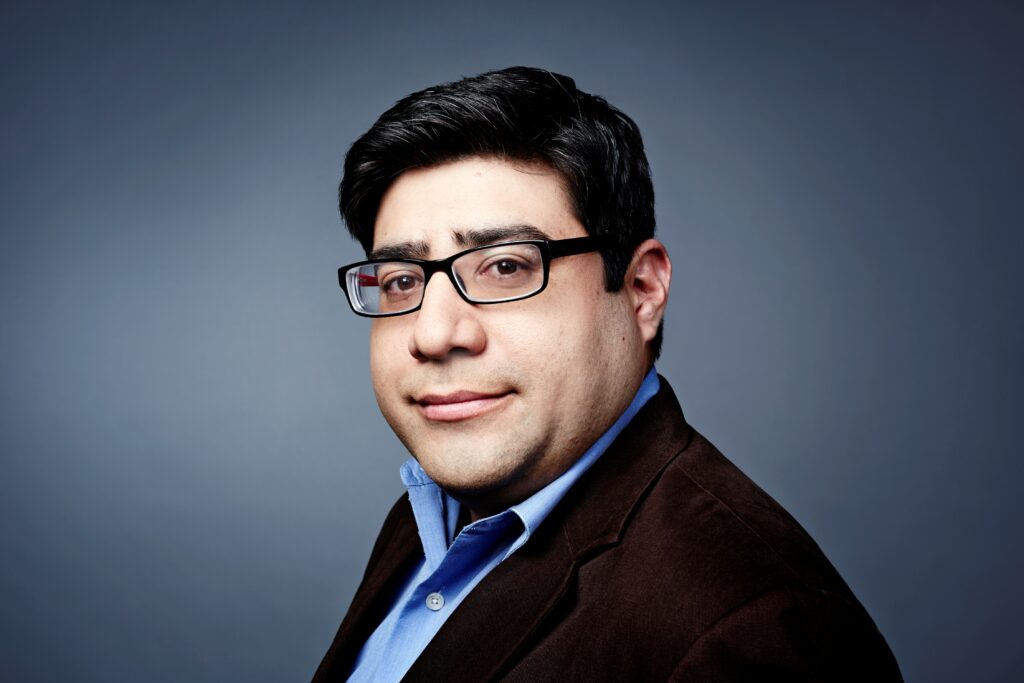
446 268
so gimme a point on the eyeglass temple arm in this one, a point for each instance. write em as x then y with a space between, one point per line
577 245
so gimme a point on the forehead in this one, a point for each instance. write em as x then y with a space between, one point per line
436 205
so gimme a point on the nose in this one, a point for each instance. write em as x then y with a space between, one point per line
445 323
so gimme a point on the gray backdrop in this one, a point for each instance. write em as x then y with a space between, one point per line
193 465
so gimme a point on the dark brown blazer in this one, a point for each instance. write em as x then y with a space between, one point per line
664 561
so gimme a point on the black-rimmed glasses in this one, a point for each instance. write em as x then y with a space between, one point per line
491 274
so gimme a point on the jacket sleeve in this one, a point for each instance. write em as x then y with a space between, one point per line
791 635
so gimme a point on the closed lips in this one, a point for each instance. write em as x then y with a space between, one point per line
460 405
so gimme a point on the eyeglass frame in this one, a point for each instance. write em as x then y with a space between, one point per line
549 250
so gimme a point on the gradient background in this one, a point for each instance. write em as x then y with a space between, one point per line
193 465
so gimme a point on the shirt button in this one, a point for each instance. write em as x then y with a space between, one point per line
435 601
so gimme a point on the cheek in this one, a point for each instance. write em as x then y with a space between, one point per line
554 346
533 338
385 357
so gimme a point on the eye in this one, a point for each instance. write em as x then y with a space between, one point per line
505 267
400 283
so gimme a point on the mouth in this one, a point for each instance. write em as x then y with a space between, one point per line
460 405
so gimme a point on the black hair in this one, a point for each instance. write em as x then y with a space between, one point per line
516 113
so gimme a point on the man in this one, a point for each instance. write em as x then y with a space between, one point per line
562 522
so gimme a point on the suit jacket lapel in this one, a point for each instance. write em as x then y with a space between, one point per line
598 507
500 613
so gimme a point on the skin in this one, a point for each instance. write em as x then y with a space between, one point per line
495 401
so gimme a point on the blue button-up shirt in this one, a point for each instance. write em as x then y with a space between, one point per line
452 566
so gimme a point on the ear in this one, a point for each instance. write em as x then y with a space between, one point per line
648 279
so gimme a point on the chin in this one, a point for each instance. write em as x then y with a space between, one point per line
462 472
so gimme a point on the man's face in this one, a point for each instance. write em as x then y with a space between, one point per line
497 400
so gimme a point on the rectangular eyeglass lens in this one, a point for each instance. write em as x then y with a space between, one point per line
504 271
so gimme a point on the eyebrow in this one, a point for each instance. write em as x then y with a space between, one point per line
414 250
467 239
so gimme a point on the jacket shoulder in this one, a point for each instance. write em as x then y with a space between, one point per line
720 510
710 578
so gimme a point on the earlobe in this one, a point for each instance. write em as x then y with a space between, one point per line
649 279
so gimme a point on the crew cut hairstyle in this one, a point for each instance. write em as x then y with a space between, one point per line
517 113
